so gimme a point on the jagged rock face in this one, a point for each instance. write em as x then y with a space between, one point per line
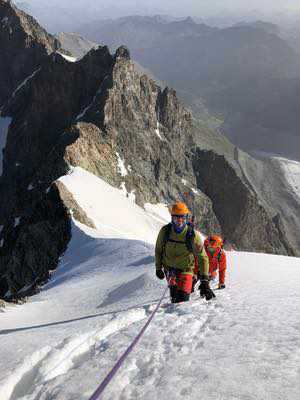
146 126
151 131
23 47
249 226
28 254
36 133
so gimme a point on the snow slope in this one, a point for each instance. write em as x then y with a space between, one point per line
61 344
292 173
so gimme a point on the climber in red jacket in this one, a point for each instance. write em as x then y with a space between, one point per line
217 258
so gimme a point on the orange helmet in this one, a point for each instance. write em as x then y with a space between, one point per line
179 208
215 241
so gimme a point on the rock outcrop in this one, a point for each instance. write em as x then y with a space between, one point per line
250 226
23 47
32 244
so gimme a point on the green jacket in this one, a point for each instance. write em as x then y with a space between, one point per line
178 256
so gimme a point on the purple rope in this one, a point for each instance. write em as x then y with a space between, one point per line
120 361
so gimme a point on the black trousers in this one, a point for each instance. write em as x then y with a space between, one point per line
177 296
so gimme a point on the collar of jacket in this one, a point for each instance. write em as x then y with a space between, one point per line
181 235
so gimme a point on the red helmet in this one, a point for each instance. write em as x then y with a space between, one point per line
215 241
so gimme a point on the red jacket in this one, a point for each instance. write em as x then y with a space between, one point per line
217 261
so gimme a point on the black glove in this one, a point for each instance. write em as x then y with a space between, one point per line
205 290
160 274
221 286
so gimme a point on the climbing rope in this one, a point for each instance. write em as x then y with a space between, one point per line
96 395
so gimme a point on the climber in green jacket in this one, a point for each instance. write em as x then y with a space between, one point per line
178 248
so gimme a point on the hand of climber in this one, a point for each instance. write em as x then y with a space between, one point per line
160 274
205 290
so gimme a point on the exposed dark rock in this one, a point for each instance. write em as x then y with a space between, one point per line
171 113
243 219
32 248
23 47
37 131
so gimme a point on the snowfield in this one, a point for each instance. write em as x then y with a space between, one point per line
60 345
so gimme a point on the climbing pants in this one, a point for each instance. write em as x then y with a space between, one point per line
180 284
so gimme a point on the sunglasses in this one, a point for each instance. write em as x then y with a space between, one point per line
179 216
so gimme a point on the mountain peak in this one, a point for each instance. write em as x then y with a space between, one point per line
190 20
17 22
30 43
122 52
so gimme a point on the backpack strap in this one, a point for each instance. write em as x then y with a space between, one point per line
219 255
189 238
166 237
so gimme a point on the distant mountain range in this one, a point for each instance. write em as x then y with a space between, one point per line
266 26
142 32
75 44
245 75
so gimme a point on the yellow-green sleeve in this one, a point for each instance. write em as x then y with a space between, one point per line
159 250
203 261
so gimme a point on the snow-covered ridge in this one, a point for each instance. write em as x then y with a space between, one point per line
68 58
114 214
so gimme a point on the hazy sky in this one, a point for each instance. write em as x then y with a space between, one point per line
68 15
186 7
215 6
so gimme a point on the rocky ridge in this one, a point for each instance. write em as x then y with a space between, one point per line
23 47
